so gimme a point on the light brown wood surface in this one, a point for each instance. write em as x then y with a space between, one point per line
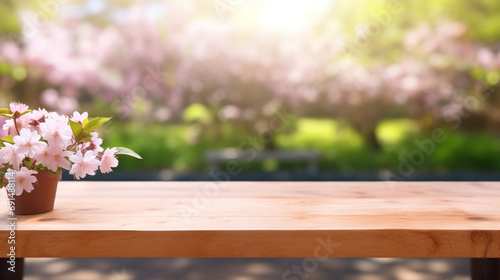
263 219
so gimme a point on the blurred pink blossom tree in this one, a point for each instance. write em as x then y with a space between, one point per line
156 72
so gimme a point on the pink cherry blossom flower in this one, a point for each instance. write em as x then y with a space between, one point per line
45 158
94 144
9 155
36 117
18 108
56 133
55 116
79 118
84 164
28 143
22 122
8 125
25 180
108 160
54 157
3 132
61 159
38 114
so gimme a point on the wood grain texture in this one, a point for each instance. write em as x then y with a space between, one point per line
263 219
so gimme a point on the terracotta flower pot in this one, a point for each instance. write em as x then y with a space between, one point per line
41 199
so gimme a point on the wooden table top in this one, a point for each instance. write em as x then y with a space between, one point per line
262 219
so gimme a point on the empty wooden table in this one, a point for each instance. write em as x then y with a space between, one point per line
266 219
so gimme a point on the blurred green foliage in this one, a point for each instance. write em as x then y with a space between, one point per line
342 148
10 23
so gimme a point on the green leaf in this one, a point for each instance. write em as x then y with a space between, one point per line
3 170
95 123
5 111
128 152
87 138
8 139
77 129
26 112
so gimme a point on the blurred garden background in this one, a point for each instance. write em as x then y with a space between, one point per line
391 88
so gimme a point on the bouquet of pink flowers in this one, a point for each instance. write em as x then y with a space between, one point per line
46 141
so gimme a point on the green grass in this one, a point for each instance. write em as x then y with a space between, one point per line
343 149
